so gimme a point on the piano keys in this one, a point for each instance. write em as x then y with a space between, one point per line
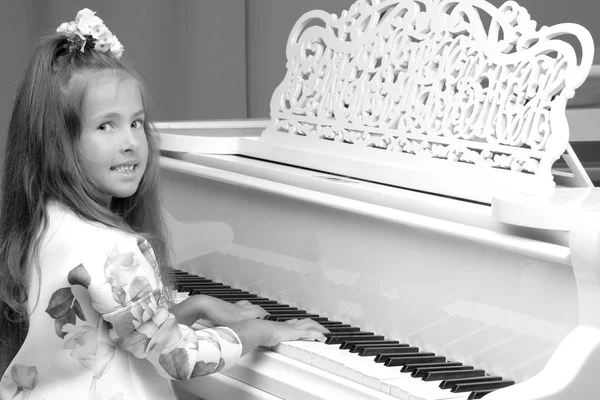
378 363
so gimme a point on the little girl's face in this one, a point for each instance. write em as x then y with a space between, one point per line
113 141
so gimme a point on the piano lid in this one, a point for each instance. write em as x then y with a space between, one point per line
424 96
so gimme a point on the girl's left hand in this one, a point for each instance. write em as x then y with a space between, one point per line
224 313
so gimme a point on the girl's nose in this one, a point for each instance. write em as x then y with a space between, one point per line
131 140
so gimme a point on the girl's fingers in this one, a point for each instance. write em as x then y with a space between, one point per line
262 314
307 323
255 312
243 303
311 334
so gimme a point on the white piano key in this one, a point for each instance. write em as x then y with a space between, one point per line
306 382
178 297
295 351
283 348
417 389
376 373
364 370
332 359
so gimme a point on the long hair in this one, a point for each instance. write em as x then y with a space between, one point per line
43 162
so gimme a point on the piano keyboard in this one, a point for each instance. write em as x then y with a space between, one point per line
383 364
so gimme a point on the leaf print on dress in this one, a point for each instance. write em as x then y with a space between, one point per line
227 335
104 354
60 302
176 363
210 338
136 343
79 276
64 308
78 311
118 270
139 287
91 354
202 369
119 294
26 379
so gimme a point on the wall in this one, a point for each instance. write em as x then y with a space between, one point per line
192 53
269 23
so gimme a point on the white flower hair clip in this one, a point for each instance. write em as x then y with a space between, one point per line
88 28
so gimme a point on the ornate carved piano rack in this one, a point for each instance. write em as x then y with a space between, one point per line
405 184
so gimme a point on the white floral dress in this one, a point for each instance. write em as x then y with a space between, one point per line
99 324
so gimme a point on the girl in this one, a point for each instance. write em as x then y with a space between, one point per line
83 245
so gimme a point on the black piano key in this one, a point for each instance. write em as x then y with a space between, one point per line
202 288
441 375
287 317
356 345
475 387
190 278
294 315
227 295
279 307
190 282
382 358
320 320
221 291
287 312
233 296
329 323
409 368
383 351
207 285
359 334
479 394
450 383
284 312
350 344
421 372
194 291
217 294
341 339
400 361
383 347
259 301
343 328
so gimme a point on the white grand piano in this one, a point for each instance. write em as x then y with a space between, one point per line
417 182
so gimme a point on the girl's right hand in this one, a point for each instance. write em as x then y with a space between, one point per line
295 329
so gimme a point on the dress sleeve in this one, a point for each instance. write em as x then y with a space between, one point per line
125 289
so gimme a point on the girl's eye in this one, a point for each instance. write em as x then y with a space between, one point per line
137 124
105 127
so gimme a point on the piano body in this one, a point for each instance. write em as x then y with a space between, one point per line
406 184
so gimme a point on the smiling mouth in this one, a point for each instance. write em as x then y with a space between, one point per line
124 168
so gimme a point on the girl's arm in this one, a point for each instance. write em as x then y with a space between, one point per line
190 310
120 276
252 332
216 310
257 332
